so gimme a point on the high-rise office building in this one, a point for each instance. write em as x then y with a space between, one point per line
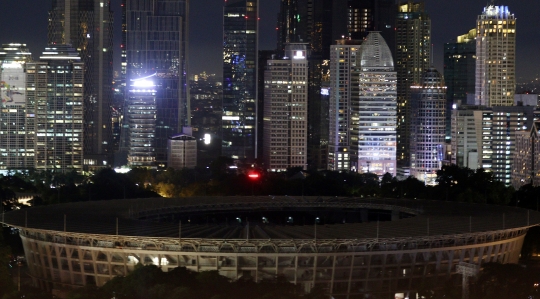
156 46
16 130
495 57
87 26
285 111
343 64
264 56
240 58
55 97
428 130
374 108
459 73
140 119
320 23
413 52
312 22
485 137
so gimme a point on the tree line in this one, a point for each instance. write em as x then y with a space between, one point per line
454 184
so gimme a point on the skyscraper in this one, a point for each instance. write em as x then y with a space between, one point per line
343 65
140 119
495 57
372 15
459 72
375 107
55 86
320 23
156 47
428 130
310 21
285 110
413 52
87 26
240 58
16 116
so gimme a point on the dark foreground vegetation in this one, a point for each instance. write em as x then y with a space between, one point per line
454 184
493 282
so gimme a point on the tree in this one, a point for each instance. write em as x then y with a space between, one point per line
6 282
503 281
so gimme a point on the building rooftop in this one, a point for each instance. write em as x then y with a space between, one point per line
375 52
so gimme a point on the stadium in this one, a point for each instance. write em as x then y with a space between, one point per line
349 247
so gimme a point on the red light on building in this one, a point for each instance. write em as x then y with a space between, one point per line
253 175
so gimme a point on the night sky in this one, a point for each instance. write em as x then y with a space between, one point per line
25 21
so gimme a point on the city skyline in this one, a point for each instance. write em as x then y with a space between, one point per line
27 23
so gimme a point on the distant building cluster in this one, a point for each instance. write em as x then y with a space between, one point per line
350 87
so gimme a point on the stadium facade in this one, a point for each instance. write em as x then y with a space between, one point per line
351 248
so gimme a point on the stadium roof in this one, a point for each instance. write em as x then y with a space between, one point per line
123 217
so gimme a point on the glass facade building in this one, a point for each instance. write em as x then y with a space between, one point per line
413 52
374 108
240 59
16 132
156 41
55 88
428 132
459 73
87 25
140 118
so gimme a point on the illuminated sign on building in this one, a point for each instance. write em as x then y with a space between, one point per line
12 86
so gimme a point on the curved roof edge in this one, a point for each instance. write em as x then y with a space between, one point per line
375 52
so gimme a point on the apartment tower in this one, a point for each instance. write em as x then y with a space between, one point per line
285 110
495 57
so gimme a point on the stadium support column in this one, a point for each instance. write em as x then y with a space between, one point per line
466 270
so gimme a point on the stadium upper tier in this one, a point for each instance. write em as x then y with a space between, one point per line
272 217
